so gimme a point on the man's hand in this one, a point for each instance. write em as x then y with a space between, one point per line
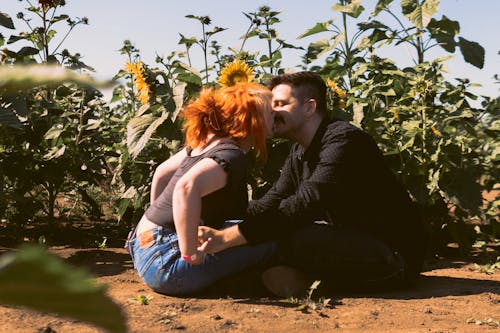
212 241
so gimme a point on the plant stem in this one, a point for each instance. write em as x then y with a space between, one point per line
44 35
204 47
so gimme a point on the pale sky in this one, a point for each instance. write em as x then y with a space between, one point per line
153 26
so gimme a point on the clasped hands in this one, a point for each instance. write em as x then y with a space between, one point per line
210 240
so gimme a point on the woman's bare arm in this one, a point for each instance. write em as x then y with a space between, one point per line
164 172
203 178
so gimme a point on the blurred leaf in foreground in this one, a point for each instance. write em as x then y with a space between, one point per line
30 76
41 281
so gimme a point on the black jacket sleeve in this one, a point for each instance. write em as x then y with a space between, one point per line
310 198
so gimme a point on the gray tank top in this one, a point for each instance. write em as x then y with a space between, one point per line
227 203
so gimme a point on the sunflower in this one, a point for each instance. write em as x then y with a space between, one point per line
237 71
395 114
338 92
141 85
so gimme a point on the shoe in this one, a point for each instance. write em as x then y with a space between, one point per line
285 281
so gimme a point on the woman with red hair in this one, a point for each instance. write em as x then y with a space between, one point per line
204 184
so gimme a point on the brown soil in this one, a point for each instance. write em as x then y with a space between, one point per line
451 296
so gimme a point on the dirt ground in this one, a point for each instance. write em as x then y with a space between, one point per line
451 296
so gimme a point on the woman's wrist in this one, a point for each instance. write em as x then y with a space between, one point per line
189 258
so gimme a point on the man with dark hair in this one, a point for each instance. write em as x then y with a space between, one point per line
337 210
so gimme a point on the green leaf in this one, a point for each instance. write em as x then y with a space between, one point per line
316 49
2 40
388 92
55 152
188 74
6 21
190 78
178 97
27 51
444 32
319 27
445 27
140 129
53 133
353 9
372 25
187 41
9 118
381 5
15 38
122 207
315 285
41 281
461 188
472 52
59 18
93 125
419 14
412 127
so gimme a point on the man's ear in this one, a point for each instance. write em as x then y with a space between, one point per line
311 106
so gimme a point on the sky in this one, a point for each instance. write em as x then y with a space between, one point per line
153 26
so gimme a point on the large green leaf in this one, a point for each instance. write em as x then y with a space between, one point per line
6 21
473 52
140 129
319 27
41 281
419 14
444 32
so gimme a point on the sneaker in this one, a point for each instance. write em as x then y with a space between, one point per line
285 281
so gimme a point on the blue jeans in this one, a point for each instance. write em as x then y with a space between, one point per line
156 258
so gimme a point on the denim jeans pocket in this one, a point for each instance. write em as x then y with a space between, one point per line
154 261
154 258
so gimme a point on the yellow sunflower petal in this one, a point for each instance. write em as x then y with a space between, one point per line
331 84
140 82
394 113
436 131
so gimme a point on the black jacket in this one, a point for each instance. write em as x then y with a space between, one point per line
341 178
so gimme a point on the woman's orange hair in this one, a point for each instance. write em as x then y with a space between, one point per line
236 112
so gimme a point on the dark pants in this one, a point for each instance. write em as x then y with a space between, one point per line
344 258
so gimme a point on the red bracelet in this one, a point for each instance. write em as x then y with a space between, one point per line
190 258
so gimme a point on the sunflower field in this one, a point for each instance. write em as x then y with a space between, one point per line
69 157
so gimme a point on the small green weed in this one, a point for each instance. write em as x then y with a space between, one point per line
486 321
103 244
142 299
488 268
307 304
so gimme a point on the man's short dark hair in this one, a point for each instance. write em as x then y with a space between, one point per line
310 85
